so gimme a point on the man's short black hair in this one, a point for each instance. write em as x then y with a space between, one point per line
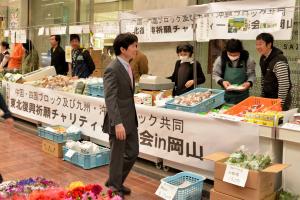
57 38
123 40
74 37
185 47
267 37
234 45
28 45
5 44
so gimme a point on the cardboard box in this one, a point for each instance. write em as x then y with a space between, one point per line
259 184
214 195
98 73
53 148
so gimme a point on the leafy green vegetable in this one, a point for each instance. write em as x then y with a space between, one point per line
249 161
284 195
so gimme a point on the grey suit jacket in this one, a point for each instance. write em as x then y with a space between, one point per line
119 99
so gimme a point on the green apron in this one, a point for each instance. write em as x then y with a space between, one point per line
235 76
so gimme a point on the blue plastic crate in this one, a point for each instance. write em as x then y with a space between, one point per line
214 101
89 161
95 91
57 137
191 192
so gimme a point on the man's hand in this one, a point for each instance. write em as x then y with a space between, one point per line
226 84
9 122
189 83
120 132
246 85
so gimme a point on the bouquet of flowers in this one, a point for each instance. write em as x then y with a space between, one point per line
79 191
24 187
42 189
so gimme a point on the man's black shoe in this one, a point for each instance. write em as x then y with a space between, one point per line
126 190
1 179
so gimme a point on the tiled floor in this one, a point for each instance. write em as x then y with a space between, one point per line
21 157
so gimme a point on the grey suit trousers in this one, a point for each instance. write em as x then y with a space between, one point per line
123 156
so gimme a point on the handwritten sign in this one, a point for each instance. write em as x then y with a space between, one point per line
236 175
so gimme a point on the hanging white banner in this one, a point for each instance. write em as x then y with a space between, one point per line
107 27
75 29
227 20
172 135
160 29
222 20
58 30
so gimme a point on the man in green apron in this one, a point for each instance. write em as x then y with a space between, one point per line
234 68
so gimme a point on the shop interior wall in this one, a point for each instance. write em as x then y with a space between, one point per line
49 13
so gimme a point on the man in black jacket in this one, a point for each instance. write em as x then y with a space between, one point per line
82 63
58 58
276 81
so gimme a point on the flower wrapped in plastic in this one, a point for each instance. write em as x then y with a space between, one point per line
49 194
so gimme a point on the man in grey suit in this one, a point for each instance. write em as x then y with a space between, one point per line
120 121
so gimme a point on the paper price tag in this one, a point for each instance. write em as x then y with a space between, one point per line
13 36
166 191
86 29
291 126
41 31
227 117
47 31
70 153
75 29
236 175
21 36
68 54
6 33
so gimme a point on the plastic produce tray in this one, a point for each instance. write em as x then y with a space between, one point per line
88 161
268 105
214 101
95 90
58 137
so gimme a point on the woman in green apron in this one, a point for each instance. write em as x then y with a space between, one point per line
234 68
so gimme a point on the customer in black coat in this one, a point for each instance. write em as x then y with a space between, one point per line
58 57
183 75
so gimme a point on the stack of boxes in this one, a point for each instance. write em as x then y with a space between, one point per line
96 54
101 60
53 142
259 184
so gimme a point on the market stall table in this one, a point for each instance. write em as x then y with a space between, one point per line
181 139
291 149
